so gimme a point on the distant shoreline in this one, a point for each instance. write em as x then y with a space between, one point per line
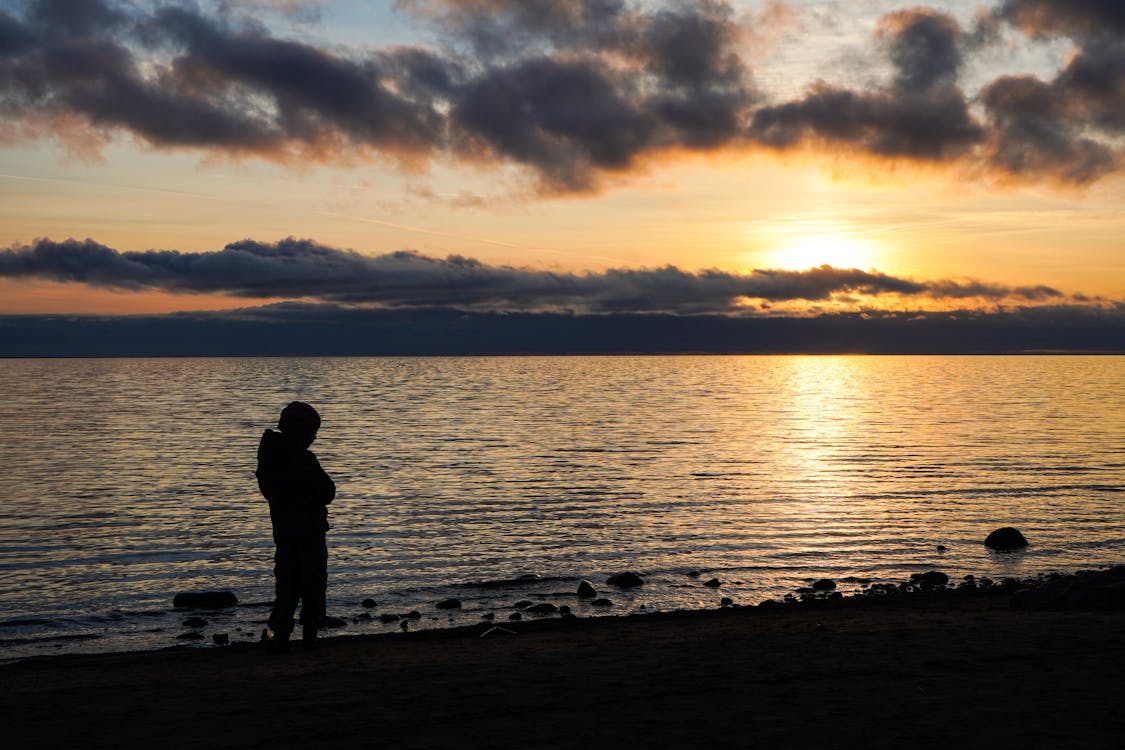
498 355
328 330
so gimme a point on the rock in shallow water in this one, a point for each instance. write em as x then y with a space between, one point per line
1006 538
194 622
626 580
713 583
932 578
205 599
824 584
453 603
586 590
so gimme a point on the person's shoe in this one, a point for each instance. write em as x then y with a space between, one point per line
276 643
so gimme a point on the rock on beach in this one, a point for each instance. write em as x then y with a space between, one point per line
1101 590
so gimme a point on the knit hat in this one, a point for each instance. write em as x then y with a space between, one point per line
299 418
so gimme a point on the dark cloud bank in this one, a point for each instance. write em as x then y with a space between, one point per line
327 330
571 90
405 304
295 268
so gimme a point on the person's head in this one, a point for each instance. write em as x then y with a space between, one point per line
300 422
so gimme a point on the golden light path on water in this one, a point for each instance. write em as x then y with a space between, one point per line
127 481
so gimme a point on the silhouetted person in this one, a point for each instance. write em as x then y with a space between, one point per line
299 491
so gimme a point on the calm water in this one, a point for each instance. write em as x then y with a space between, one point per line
125 481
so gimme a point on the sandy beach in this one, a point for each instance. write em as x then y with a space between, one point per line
926 670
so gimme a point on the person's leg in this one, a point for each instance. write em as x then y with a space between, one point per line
287 582
314 585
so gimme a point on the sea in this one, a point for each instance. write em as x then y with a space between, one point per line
496 480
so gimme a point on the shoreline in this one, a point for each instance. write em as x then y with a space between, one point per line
216 629
924 669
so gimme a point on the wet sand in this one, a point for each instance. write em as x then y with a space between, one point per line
919 671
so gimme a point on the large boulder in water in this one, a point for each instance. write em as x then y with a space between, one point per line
1005 539
205 599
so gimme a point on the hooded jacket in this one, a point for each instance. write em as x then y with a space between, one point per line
297 488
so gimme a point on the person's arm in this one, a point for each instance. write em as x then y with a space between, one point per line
317 485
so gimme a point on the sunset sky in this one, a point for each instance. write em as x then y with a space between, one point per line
591 155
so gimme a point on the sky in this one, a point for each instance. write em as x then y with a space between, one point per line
597 157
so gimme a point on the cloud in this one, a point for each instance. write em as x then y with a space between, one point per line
617 84
1068 127
1073 18
921 114
571 92
293 269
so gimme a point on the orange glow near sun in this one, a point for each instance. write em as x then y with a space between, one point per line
812 250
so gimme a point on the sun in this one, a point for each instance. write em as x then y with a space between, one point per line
813 250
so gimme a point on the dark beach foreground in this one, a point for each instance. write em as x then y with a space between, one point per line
932 669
